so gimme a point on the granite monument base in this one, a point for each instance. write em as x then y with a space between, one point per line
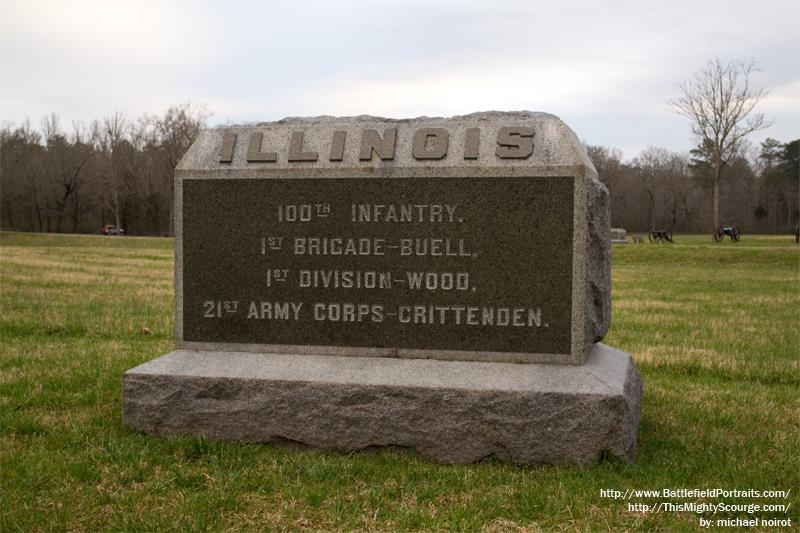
450 411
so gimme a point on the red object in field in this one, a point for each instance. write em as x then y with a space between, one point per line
108 229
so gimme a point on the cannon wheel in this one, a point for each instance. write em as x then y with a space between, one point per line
669 235
652 237
735 234
717 234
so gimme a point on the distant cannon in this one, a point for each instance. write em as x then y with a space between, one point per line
731 231
660 235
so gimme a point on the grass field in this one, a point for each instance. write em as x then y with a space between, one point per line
714 328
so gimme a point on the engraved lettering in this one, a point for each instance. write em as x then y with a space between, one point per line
371 141
345 279
347 312
472 316
295 213
274 310
430 143
403 213
434 247
514 143
472 143
281 311
535 317
338 246
404 314
337 145
503 316
469 315
254 153
296 153
341 254
226 149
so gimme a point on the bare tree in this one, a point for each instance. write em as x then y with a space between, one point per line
142 165
64 165
720 102
177 130
21 187
82 143
111 136
652 166
677 188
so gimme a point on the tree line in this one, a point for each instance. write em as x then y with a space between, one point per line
113 171
119 171
759 190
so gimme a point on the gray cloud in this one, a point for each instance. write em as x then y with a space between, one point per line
607 68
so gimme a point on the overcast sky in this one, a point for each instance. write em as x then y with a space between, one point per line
606 68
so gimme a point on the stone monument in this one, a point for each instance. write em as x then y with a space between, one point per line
618 236
434 284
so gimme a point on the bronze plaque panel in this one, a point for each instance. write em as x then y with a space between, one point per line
471 264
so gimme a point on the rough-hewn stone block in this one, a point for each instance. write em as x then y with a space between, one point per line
450 411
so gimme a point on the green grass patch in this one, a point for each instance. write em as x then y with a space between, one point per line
713 327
